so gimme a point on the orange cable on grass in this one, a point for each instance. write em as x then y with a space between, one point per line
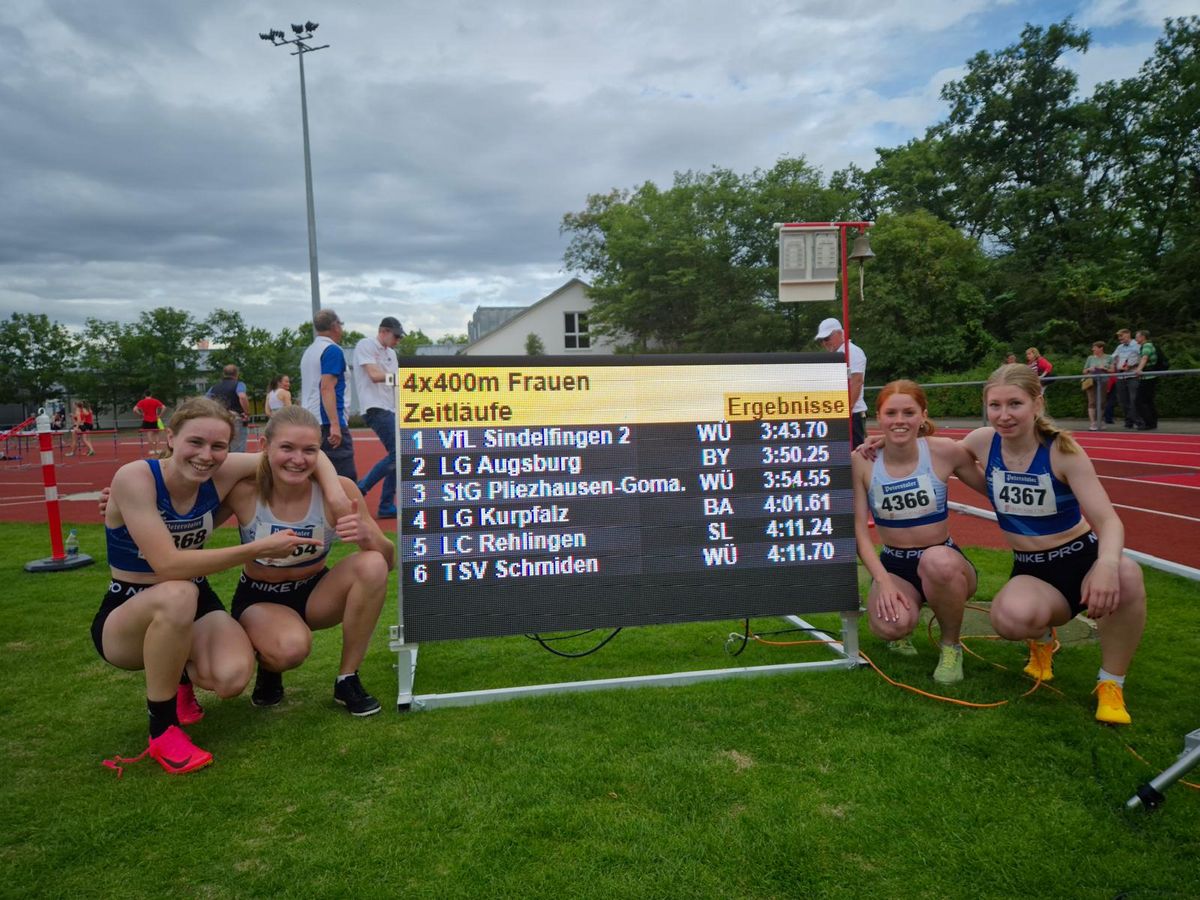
900 684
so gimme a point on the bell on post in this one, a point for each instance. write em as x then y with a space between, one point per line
861 250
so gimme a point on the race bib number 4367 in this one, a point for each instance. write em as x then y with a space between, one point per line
1023 494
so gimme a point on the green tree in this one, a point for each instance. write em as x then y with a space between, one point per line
35 358
160 349
924 309
534 345
104 374
693 268
407 345
259 355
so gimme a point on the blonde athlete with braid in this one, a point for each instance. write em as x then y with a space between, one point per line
1066 537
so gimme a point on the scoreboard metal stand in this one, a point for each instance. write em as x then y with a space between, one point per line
844 656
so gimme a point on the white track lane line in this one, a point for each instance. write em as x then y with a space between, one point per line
1139 481
1156 512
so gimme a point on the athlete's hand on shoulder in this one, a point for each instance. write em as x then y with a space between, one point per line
103 504
1102 592
869 447
281 544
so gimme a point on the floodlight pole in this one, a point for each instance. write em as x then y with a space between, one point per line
277 38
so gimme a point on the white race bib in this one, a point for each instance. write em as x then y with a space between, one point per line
908 498
301 555
1022 494
189 534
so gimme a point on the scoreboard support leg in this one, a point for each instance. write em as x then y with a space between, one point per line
406 670
847 647
845 656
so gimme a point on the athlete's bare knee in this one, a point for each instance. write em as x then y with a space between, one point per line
230 675
1016 622
943 567
175 603
372 569
288 650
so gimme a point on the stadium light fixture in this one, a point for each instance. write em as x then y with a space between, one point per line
280 39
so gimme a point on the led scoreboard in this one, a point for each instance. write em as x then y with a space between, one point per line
554 493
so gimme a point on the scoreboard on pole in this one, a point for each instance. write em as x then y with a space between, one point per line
554 493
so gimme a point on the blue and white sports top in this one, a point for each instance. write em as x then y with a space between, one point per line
1033 502
313 525
915 499
189 530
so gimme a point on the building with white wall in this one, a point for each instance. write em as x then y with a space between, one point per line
560 321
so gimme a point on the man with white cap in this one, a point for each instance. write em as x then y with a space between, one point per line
375 360
832 338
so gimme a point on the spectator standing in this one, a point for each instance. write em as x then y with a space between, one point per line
151 411
1125 361
1010 359
832 338
1098 366
1041 366
323 387
231 393
1147 410
375 360
279 394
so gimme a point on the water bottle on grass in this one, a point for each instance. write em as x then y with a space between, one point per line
72 543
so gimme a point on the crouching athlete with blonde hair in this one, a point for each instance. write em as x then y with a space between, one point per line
1067 539
281 600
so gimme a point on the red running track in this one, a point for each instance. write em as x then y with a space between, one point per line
1152 479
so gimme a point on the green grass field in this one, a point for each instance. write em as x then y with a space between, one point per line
824 784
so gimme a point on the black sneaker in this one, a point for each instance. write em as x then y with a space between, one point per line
351 694
268 688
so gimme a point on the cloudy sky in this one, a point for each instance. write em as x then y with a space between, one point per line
151 152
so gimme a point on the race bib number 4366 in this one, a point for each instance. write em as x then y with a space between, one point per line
910 498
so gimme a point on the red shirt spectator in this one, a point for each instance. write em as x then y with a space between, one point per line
151 409
1040 365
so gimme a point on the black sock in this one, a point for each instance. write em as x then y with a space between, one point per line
162 715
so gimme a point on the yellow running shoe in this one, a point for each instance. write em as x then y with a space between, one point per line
1110 704
949 668
1040 664
904 646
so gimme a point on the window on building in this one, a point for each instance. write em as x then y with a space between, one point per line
576 332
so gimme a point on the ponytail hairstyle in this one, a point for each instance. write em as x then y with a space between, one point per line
198 408
286 416
910 389
1026 380
274 383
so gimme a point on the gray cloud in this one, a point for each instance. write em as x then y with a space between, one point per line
152 152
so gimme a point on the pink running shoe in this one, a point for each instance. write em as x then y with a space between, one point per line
173 750
187 709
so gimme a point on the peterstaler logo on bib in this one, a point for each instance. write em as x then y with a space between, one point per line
909 498
1023 494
